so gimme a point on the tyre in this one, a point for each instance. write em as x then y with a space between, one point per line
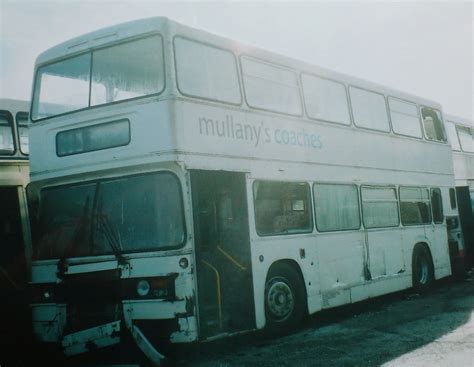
422 269
285 299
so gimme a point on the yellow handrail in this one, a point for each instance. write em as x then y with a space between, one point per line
218 282
236 263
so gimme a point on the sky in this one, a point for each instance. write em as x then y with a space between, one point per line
421 47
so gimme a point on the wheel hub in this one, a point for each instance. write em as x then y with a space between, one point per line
280 300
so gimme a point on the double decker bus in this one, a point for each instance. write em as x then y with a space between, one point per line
190 187
461 136
15 241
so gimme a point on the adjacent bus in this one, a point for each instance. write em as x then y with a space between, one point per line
461 136
15 241
189 187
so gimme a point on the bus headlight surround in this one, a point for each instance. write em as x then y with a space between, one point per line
143 288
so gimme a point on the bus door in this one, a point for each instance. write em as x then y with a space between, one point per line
12 247
14 308
222 245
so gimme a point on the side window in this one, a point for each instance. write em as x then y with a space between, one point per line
336 206
206 71
270 87
453 136
282 207
452 198
466 136
379 207
325 99
6 133
434 128
437 205
414 206
22 122
369 109
405 119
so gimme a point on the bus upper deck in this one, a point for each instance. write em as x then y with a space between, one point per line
218 97
461 136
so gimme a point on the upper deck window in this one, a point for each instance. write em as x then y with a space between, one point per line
405 119
270 87
466 136
453 136
62 87
206 71
6 134
125 71
22 122
325 99
129 70
369 109
434 128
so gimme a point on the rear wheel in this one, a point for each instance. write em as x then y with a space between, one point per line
285 301
422 267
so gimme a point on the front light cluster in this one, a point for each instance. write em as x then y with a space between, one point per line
160 287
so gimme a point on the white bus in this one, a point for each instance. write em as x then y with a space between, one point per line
461 136
190 187
15 240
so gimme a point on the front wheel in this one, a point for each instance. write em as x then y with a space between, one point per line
285 301
422 267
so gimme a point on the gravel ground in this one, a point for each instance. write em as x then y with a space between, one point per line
403 329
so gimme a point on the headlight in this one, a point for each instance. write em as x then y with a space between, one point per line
183 263
143 288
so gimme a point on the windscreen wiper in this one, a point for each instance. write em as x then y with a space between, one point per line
103 224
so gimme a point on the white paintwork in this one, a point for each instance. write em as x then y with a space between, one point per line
177 133
101 336
463 161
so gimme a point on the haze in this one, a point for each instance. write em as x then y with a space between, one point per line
424 48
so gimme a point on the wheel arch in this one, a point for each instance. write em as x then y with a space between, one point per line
294 264
425 245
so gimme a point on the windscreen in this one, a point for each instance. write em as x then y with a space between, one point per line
130 214
125 71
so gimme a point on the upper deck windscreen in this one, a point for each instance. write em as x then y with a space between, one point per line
120 72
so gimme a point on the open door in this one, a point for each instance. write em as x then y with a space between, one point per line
222 252
14 310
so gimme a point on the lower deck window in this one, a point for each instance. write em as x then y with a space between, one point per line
379 207
282 207
336 206
415 206
437 205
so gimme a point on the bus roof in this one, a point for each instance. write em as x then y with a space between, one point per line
107 36
14 105
459 120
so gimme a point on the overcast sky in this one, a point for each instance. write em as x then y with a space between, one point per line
420 47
